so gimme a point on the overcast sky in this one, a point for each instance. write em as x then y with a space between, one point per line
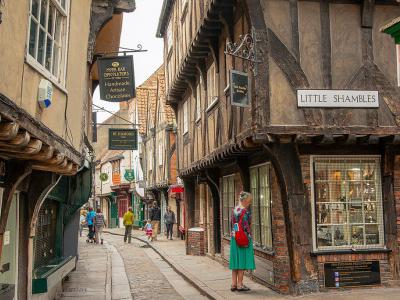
139 27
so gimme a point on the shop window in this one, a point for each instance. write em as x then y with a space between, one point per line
228 201
45 239
261 207
47 35
348 202
185 117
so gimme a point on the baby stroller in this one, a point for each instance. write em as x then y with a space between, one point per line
91 236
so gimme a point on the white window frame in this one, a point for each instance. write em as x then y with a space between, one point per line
198 102
212 86
381 245
160 152
186 117
169 38
149 159
59 80
269 225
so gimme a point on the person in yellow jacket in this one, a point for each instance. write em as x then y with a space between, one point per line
128 223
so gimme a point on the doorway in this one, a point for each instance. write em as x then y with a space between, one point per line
9 258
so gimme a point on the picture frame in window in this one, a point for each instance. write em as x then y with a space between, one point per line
240 88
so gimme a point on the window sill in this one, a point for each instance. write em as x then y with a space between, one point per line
266 251
212 104
350 251
46 74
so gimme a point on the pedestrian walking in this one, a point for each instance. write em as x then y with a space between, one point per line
241 249
82 222
155 217
128 223
90 223
169 219
149 230
99 223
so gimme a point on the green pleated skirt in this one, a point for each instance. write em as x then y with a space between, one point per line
241 258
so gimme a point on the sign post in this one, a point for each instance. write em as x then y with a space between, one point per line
122 139
117 79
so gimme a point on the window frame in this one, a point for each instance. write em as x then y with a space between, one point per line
212 85
380 223
198 101
169 37
260 246
59 81
228 177
186 116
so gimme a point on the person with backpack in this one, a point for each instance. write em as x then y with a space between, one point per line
99 223
241 248
90 223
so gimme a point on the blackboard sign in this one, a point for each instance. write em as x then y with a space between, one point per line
117 79
240 89
122 139
353 273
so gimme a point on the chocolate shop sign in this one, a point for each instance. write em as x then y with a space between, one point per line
117 80
337 98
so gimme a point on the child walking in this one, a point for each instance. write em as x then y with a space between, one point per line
149 230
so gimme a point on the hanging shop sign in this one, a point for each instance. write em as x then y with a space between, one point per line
103 177
122 139
116 178
129 175
117 79
352 273
337 98
240 89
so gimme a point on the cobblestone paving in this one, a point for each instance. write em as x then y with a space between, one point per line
145 278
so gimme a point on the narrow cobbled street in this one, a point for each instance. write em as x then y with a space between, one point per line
118 271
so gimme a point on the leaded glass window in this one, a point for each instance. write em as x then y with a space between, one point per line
348 202
228 201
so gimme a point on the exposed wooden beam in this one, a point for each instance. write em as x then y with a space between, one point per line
21 140
33 147
8 130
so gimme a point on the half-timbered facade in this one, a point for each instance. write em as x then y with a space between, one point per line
317 146
157 130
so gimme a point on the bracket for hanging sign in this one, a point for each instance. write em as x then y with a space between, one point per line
124 51
245 49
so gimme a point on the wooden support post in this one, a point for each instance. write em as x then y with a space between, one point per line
298 216
243 164
189 204
15 174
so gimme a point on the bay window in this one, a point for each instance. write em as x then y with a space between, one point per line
261 206
347 202
47 35
228 202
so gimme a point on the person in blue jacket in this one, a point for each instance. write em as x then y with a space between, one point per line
90 223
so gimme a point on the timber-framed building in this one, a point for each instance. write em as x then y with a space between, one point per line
325 180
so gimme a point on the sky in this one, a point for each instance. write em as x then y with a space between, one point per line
138 27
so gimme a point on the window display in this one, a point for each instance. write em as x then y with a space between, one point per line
348 202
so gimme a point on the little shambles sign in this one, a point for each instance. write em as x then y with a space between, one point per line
117 80
122 139
337 98
240 89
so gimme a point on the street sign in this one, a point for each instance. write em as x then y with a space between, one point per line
117 78
240 89
103 177
129 175
337 98
122 139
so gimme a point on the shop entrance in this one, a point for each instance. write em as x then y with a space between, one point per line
9 258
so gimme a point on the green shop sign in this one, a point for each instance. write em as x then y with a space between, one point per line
122 139
129 175
103 177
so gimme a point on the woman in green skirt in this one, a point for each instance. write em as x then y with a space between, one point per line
241 258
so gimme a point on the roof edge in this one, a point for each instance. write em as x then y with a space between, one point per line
164 15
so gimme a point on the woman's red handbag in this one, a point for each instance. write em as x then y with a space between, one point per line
240 236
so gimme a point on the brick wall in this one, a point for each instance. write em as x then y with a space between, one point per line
195 243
